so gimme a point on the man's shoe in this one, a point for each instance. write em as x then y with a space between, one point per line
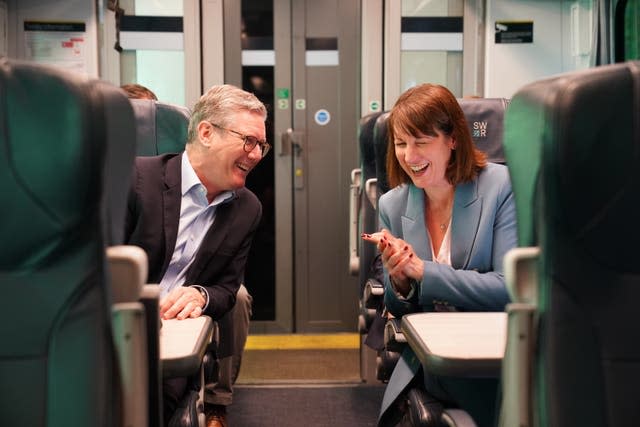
216 416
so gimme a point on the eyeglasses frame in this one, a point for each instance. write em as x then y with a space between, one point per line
247 146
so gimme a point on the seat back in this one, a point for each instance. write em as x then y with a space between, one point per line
368 194
573 146
120 130
161 127
380 151
485 117
57 358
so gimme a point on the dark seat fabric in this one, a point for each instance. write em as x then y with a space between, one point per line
485 117
380 150
368 214
369 310
161 127
573 144
56 360
120 131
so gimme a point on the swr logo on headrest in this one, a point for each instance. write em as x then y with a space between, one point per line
479 130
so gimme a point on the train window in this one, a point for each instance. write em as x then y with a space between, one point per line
155 57
431 44
632 30
626 30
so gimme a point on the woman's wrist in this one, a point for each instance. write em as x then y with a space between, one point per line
402 287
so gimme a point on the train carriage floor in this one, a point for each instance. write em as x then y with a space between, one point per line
303 380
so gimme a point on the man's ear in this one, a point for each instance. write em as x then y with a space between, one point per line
205 131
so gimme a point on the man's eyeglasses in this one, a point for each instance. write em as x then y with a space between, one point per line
250 142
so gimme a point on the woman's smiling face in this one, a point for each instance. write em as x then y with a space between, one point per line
424 158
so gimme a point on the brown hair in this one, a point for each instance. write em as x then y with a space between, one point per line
422 110
137 91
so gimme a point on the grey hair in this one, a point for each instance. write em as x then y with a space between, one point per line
219 104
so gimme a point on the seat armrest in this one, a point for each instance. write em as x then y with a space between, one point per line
372 293
354 215
371 191
150 298
521 274
130 339
458 344
394 339
128 271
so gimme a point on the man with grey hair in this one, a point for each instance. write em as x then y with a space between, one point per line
195 219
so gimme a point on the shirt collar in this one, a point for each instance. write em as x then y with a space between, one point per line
190 179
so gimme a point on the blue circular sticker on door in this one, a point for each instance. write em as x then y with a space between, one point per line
322 117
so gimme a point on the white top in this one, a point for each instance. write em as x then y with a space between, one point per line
444 255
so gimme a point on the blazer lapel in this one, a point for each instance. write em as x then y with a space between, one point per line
414 230
467 208
171 200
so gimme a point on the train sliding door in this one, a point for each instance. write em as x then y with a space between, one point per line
300 58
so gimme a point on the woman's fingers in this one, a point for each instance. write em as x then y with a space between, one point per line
373 238
397 264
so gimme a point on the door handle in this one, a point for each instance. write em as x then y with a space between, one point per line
284 146
292 144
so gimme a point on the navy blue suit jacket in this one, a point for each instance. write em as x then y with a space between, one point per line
152 222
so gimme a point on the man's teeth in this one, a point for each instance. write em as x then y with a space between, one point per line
418 168
243 167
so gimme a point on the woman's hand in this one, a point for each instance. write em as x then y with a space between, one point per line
398 258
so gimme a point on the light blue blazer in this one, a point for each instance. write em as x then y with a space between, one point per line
483 230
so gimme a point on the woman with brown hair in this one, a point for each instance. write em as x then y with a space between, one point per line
446 225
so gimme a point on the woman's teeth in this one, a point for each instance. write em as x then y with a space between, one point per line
419 168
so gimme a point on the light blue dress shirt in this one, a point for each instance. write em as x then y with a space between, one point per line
196 217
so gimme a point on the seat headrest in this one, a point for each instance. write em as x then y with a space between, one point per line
592 168
161 127
485 117
581 156
120 131
52 150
